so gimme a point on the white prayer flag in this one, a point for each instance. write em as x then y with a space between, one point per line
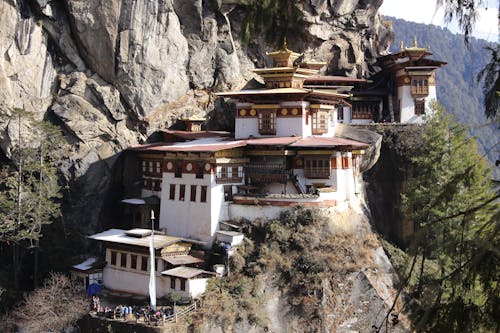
152 276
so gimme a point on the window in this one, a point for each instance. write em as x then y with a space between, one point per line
144 263
228 193
182 192
229 173
317 168
113 258
419 86
319 122
123 259
199 170
172 283
340 113
420 106
203 194
172 192
178 170
267 122
144 167
158 167
133 261
193 193
183 284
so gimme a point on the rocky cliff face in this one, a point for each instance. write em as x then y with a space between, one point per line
110 73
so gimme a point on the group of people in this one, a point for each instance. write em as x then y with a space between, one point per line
149 315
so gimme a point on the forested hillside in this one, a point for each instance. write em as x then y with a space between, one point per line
458 89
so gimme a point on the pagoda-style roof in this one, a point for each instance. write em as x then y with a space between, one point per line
284 57
414 56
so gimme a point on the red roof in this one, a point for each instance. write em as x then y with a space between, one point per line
213 144
278 141
190 146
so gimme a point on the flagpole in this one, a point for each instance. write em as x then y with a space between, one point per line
152 275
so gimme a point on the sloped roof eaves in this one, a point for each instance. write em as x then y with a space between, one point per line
277 141
332 78
169 147
184 272
321 142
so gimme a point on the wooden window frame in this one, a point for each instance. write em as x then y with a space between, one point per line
419 85
144 263
178 170
192 194
317 168
123 259
172 283
182 192
114 257
200 170
419 106
172 192
319 122
267 122
182 286
133 261
203 193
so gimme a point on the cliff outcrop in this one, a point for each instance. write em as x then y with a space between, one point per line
110 73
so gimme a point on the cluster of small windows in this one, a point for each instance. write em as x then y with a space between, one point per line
151 184
340 113
229 173
151 167
182 283
363 110
317 168
419 86
267 122
319 122
192 194
134 261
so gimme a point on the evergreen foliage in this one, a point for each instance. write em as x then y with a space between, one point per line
274 18
450 199
29 186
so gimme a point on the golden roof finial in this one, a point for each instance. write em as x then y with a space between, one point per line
415 45
401 45
285 46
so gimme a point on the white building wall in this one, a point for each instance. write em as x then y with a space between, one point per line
129 280
350 189
347 115
244 127
186 218
288 126
196 287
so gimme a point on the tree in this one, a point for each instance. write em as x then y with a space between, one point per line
30 190
450 199
52 308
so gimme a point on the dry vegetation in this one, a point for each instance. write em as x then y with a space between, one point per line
52 308
303 258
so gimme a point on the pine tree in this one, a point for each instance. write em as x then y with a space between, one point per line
450 199
29 186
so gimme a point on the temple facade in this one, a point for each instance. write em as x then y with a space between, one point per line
283 153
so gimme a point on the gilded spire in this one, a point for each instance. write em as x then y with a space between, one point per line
415 45
401 45
284 48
